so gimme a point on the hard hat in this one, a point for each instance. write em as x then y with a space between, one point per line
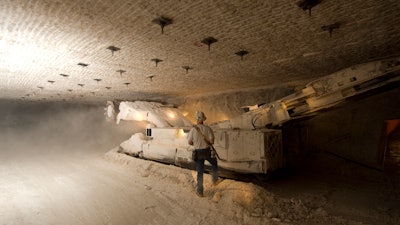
200 116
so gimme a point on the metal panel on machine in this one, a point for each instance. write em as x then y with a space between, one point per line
250 151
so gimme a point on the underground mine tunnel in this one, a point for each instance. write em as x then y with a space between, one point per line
97 99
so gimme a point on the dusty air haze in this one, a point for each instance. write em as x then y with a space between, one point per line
59 165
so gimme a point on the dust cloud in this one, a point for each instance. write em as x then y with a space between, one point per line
59 165
34 129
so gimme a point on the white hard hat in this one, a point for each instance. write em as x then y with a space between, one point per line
200 116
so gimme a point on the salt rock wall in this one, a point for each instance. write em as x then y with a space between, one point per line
223 106
355 130
392 154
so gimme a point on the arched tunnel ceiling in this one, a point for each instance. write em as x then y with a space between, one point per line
96 50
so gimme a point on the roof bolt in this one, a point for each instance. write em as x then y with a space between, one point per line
162 21
151 77
242 53
156 61
187 68
208 41
308 5
83 64
331 27
113 49
121 72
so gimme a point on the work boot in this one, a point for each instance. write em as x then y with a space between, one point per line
199 194
219 180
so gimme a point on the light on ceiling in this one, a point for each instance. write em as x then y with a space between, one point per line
171 115
20 57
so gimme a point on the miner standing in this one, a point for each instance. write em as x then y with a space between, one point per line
201 137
